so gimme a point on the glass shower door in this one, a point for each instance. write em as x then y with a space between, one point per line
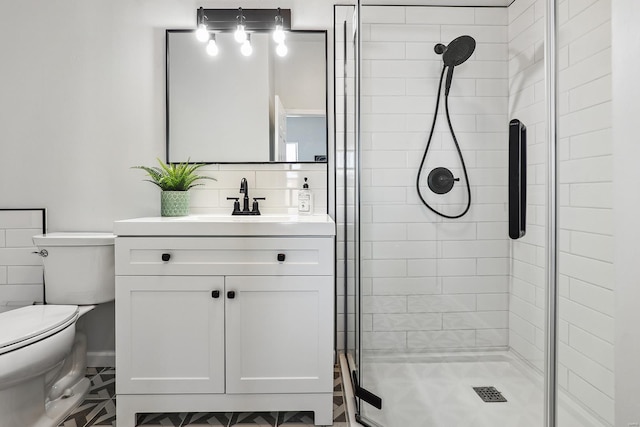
451 305
345 30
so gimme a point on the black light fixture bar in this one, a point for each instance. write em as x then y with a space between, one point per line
254 19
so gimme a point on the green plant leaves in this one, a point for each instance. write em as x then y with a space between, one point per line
174 176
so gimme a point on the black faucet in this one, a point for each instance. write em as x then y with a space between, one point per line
244 189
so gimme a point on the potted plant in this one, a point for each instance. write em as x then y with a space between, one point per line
175 180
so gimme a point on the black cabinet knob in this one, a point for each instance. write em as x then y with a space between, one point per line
166 257
215 294
231 294
281 257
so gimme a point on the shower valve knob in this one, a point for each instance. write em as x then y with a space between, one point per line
440 180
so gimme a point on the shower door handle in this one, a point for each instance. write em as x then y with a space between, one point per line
517 178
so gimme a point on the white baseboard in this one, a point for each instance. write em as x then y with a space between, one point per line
100 359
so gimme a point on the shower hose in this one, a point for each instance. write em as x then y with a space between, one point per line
455 141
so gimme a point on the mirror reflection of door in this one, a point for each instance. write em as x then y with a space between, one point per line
308 130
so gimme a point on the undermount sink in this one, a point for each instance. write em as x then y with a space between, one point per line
228 225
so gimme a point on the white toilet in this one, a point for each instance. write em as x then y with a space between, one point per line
42 356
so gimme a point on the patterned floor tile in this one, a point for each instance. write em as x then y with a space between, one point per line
253 419
103 385
339 409
208 419
295 418
106 415
160 420
337 381
92 371
83 414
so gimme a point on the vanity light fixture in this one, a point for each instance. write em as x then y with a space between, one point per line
246 49
202 34
241 34
278 33
241 22
278 36
212 47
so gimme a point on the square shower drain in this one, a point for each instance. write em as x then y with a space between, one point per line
489 394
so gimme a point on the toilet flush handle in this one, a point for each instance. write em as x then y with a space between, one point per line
43 253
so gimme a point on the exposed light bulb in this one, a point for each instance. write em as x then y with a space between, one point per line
278 34
282 49
212 47
246 49
202 34
240 35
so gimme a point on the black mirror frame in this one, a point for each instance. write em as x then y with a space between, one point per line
326 103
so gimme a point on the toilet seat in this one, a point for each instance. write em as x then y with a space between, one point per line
26 325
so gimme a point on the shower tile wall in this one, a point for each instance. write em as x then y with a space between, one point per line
428 283
20 270
586 328
527 94
585 216
279 183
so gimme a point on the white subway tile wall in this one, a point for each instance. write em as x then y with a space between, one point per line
278 183
585 218
21 274
435 284
528 273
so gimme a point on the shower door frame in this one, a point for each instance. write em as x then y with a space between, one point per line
551 309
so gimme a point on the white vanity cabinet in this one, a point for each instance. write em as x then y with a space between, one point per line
219 323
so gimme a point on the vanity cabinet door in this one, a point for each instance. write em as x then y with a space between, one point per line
279 332
170 334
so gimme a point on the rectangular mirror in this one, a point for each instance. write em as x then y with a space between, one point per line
261 108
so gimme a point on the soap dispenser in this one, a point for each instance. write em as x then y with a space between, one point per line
305 200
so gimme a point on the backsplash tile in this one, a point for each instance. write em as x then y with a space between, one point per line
278 183
21 273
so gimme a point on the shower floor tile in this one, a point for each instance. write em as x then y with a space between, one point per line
440 394
99 409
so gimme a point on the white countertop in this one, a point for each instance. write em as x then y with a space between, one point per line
228 225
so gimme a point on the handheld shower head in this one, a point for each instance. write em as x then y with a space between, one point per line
458 51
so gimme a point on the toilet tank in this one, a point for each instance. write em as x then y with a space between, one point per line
79 268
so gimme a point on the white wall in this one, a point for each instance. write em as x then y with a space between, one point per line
626 175
82 100
298 82
84 109
430 283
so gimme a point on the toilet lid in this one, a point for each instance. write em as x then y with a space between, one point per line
24 325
